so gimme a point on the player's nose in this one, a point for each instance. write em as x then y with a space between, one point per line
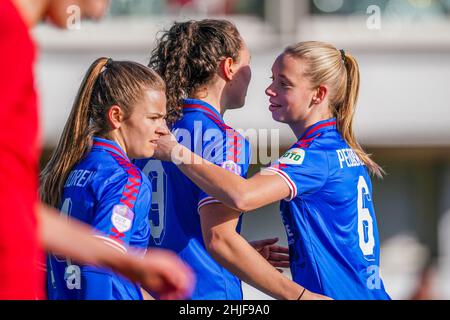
269 91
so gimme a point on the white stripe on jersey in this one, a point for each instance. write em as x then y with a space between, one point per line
113 244
287 179
207 200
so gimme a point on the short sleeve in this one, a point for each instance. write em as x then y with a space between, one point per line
115 215
229 151
305 171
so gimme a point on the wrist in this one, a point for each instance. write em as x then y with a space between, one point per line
127 265
291 290
302 294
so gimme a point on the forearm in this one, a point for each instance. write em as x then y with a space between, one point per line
74 239
229 188
68 237
236 192
239 257
160 272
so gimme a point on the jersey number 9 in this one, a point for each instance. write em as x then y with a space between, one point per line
155 172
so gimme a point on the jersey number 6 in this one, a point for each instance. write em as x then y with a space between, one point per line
365 221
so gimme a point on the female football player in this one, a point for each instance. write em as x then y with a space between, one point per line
118 115
206 68
322 181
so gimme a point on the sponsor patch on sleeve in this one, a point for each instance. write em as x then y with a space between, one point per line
122 218
293 156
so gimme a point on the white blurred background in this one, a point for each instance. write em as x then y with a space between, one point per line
403 47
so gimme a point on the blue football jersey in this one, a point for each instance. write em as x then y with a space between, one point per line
329 217
174 219
108 192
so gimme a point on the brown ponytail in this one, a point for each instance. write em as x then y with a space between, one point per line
105 84
340 71
187 57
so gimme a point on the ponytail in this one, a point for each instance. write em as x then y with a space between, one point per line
340 71
346 111
105 84
75 141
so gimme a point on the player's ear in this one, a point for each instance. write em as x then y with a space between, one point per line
115 117
226 66
320 94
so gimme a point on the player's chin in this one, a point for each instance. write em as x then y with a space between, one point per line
237 104
279 117
148 152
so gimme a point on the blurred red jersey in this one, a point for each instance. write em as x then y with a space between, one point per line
20 253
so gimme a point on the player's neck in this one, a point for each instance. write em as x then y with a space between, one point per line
32 11
299 127
213 99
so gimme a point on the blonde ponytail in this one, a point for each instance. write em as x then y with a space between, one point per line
345 114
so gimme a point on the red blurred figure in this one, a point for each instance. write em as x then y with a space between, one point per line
24 222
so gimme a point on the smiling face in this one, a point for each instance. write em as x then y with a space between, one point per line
146 123
290 93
